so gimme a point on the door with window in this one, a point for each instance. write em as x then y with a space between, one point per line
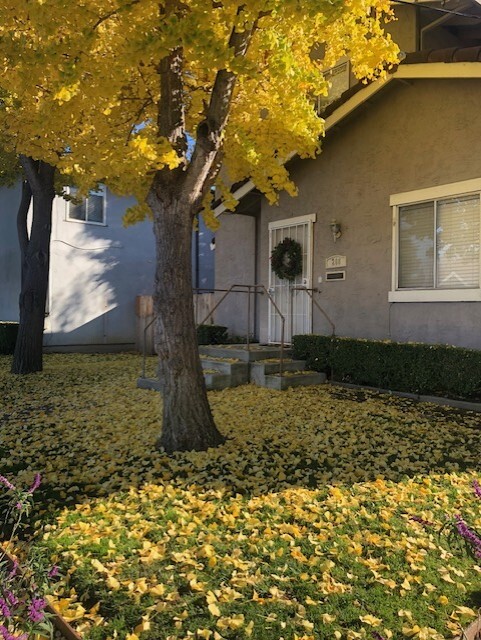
290 298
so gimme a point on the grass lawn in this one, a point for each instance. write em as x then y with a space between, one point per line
300 527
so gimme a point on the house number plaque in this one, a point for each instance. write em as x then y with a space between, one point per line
334 262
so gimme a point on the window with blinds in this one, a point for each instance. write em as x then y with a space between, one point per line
438 244
90 209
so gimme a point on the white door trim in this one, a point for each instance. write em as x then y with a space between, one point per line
289 222
307 221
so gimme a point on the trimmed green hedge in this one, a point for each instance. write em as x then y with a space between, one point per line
8 337
211 334
425 369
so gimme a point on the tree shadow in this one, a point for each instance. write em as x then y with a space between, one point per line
91 433
96 273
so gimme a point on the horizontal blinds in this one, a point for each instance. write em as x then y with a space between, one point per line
457 242
416 246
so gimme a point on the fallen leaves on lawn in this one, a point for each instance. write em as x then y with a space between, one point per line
318 518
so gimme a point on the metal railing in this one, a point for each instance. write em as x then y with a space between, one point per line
250 289
310 293
253 289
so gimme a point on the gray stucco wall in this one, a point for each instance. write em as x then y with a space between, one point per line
9 254
235 264
96 272
410 137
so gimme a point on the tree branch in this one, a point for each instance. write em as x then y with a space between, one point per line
113 13
205 164
171 113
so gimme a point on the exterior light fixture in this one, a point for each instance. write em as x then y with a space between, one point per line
335 229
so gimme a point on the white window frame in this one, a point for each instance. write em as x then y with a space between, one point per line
464 188
101 191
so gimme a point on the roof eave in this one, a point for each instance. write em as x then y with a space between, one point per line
423 70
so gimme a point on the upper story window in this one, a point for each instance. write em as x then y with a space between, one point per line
90 210
436 244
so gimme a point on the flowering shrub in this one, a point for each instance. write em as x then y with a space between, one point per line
22 581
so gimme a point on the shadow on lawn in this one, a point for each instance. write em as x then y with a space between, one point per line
85 427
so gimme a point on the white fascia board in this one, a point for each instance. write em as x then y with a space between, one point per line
424 70
435 70
237 194
355 101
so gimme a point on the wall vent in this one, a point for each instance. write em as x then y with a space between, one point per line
336 275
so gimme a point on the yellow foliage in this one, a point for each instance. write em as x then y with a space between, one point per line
84 87
219 533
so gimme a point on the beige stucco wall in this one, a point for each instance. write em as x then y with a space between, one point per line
410 137
404 29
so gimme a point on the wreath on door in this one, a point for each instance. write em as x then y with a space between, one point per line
286 259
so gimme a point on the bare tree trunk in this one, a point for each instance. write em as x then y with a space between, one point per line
187 419
35 254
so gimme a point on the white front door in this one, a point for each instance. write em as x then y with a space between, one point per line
294 304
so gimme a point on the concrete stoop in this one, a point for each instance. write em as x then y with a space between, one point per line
297 379
220 374
233 365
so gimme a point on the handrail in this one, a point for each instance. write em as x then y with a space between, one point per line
309 293
253 288
235 288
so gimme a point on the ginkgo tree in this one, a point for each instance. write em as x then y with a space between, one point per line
119 85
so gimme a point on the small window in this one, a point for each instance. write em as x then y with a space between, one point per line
437 246
90 210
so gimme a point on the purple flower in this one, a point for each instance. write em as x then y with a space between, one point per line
35 609
35 483
477 488
6 483
9 636
464 531
11 598
5 609
14 570
53 571
19 506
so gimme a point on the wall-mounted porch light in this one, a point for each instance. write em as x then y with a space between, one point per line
335 229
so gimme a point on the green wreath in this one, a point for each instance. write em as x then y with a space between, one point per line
286 259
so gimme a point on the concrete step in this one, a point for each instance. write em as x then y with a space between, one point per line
217 375
295 379
261 368
215 367
240 352
219 380
148 383
226 365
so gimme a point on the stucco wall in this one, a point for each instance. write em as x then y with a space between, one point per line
9 254
235 264
404 29
410 137
96 272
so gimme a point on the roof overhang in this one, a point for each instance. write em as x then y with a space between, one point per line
420 71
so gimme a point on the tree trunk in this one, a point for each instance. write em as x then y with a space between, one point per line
35 254
187 419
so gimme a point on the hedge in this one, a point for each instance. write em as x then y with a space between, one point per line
211 334
8 337
425 369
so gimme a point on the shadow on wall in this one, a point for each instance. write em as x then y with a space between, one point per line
96 273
